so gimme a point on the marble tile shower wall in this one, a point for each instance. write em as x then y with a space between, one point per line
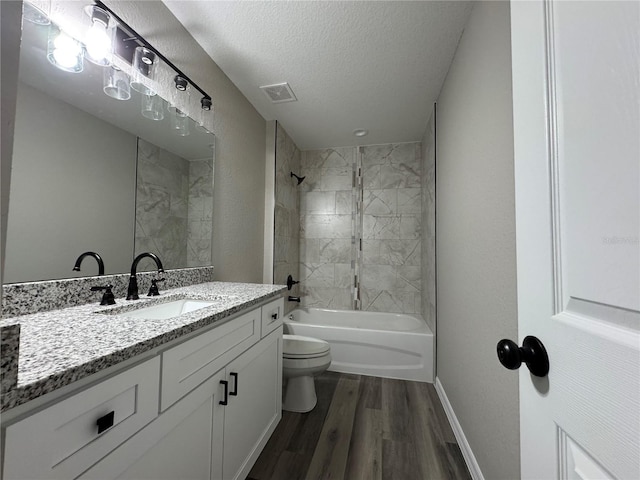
326 228
287 213
174 207
390 279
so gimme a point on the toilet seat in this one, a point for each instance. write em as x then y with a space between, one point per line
299 347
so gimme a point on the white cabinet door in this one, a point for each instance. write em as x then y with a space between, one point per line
254 405
576 71
184 442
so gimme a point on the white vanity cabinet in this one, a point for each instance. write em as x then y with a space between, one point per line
206 408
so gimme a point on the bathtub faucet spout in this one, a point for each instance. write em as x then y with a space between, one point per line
294 299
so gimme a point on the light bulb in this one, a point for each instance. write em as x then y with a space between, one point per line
98 43
99 38
64 51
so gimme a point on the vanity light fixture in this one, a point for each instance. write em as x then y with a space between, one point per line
107 36
99 39
64 51
145 72
144 65
361 132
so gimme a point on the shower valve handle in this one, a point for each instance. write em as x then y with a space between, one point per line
291 282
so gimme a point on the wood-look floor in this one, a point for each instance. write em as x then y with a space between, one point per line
364 428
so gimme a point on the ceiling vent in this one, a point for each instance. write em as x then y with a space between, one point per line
279 93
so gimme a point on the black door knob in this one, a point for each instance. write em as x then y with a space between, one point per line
532 353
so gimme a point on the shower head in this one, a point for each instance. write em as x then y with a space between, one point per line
300 179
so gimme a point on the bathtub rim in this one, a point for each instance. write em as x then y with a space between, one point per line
424 326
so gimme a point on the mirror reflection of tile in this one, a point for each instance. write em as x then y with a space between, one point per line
174 207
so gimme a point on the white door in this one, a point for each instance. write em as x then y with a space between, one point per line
576 94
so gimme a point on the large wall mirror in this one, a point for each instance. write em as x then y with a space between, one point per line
91 173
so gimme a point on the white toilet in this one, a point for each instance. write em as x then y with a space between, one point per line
303 358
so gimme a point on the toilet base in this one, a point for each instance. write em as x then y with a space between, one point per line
300 394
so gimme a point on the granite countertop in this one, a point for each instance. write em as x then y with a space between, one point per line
61 346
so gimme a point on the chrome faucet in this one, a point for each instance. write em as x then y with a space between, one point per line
76 267
132 290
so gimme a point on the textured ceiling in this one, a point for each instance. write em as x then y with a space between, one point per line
377 65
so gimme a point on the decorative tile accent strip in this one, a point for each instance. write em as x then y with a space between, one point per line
60 347
9 352
33 297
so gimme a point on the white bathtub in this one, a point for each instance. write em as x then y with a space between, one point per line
370 343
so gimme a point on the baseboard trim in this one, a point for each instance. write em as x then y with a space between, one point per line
465 448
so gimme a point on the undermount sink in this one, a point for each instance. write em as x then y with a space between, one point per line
169 309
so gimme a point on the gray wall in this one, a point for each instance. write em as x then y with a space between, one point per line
239 192
475 235
63 154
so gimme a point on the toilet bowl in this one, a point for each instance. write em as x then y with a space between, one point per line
302 359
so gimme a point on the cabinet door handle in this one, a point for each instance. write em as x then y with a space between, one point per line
275 316
106 422
235 384
226 392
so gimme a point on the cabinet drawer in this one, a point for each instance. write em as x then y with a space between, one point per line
62 441
272 314
187 365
